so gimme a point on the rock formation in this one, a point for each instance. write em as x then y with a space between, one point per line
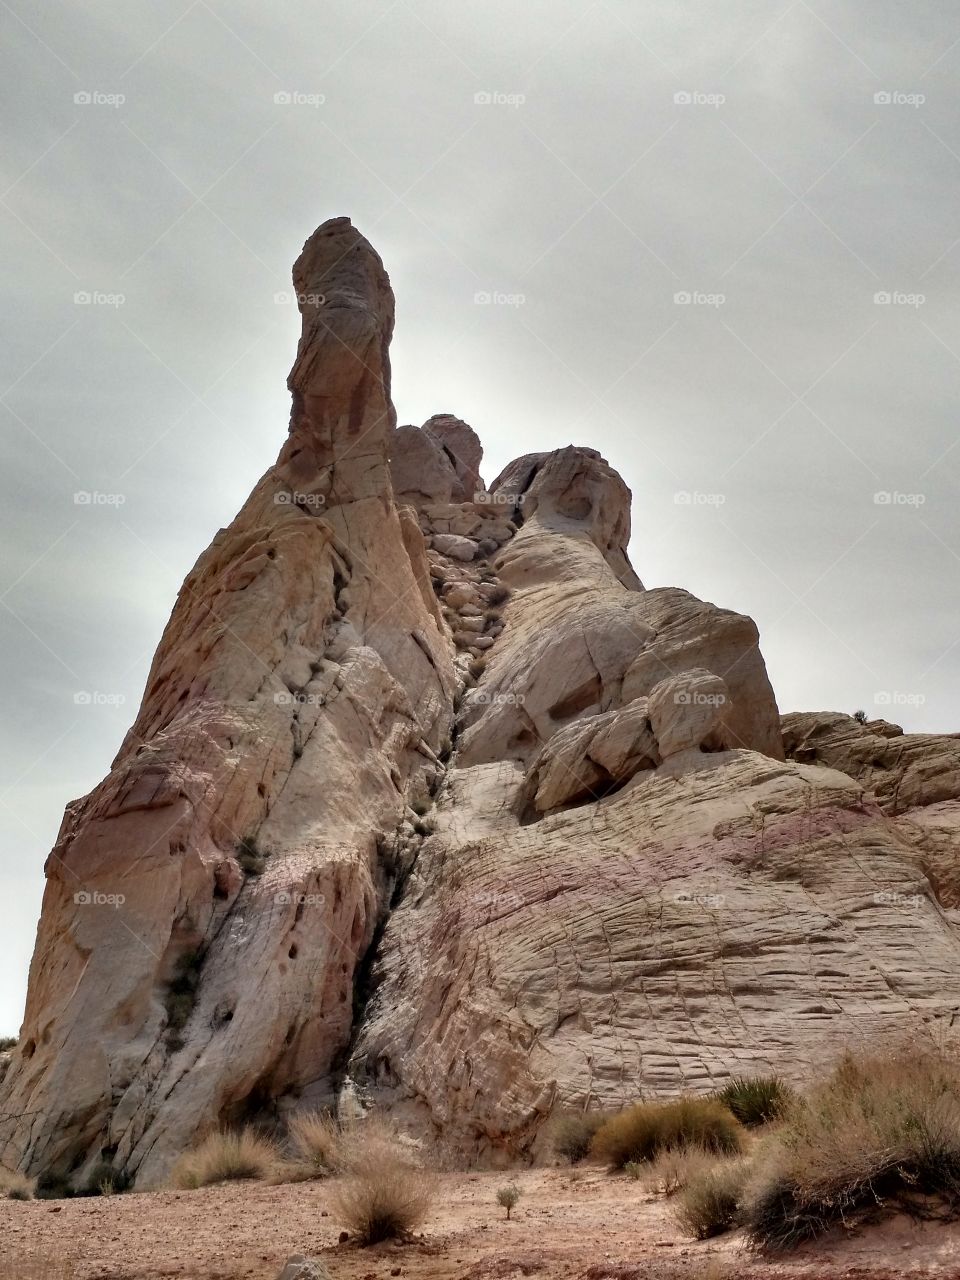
431 805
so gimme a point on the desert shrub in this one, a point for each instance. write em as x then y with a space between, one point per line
498 595
756 1100
477 667
643 1131
572 1132
7 1042
508 1196
709 1204
670 1171
383 1199
16 1186
104 1180
634 1170
251 858
878 1131
860 717
315 1139
225 1156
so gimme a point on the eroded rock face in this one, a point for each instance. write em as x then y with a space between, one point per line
430 805
295 706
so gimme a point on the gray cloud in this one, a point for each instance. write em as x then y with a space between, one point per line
583 209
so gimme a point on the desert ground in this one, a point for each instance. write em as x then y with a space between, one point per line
569 1225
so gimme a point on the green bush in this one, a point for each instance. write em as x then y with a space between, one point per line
757 1100
573 1131
878 1132
643 1131
709 1204
507 1197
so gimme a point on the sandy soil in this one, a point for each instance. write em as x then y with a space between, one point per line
587 1226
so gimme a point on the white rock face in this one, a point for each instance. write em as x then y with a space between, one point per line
429 804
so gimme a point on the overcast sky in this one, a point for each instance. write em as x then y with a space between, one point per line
578 165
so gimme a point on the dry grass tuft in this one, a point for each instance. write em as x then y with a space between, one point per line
16 1186
382 1196
316 1140
669 1172
709 1203
643 1131
226 1155
880 1131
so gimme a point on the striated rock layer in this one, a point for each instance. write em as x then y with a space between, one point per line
431 805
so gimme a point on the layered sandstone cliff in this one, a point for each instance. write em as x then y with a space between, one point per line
431 805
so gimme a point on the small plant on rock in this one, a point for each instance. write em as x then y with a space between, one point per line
508 1196
860 717
251 858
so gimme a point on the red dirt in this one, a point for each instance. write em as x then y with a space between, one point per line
587 1226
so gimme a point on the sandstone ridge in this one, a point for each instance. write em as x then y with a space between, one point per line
430 805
